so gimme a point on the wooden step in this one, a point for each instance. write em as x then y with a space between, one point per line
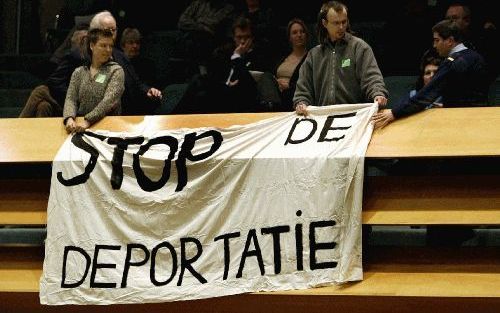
24 201
431 200
406 279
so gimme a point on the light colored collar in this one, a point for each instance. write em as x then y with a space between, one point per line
458 48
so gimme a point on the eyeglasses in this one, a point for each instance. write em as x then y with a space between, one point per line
113 30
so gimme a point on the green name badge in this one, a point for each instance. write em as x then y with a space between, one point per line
346 62
100 78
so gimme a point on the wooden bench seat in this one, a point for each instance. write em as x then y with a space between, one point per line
388 200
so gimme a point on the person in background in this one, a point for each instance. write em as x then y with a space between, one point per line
482 38
428 68
239 78
461 79
73 39
342 69
130 42
95 89
461 14
287 72
248 71
47 100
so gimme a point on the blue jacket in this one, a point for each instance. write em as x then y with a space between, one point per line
461 81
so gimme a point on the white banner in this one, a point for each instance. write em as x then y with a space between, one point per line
197 213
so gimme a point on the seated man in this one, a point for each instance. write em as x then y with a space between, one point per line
239 78
245 69
461 79
477 36
47 100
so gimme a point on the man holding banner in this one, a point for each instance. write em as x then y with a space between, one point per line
342 69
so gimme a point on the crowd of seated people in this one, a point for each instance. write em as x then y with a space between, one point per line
238 79
49 100
249 63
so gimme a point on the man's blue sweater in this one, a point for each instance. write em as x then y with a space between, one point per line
461 81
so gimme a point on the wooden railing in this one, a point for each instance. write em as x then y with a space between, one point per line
397 279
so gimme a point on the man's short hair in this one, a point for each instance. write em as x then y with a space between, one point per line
96 21
338 7
242 23
447 29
